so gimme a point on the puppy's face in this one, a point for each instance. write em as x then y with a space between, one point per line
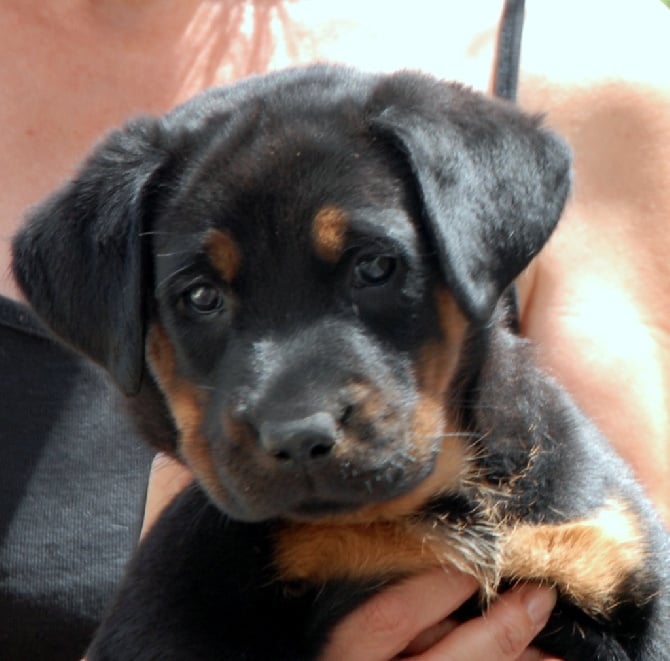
295 261
303 338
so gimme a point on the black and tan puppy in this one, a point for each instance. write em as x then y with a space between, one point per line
299 281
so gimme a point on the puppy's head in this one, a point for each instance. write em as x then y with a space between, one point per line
294 262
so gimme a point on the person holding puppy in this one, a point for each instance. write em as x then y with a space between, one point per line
595 302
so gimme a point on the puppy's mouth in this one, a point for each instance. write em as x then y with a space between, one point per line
256 487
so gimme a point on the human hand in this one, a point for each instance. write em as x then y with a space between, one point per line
167 479
408 620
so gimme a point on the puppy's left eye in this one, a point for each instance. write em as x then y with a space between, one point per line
373 270
204 299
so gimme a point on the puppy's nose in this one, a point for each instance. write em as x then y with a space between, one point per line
299 441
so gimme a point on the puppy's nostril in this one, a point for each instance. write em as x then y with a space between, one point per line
320 450
309 452
347 413
282 455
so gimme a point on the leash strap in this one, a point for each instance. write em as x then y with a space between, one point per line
508 50
505 85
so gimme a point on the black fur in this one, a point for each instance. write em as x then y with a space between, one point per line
445 188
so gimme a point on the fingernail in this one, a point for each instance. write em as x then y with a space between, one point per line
539 604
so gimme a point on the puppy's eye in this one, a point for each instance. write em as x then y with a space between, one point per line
204 299
374 270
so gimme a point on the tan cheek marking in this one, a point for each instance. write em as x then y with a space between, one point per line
329 231
588 560
450 466
224 254
187 404
439 358
436 368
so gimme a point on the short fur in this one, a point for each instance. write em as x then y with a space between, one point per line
299 282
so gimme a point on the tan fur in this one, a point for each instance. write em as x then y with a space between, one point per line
329 231
436 368
375 551
186 403
224 254
321 552
587 559
439 358
450 468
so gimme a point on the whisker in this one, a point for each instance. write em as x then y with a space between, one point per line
169 277
165 233
172 254
461 434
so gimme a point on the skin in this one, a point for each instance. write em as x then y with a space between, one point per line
595 301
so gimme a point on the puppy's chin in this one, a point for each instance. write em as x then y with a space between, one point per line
380 492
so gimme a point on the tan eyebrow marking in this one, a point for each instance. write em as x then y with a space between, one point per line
224 253
329 231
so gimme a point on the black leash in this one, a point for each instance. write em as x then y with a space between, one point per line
505 85
508 50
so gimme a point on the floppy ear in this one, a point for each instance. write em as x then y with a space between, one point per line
491 180
79 259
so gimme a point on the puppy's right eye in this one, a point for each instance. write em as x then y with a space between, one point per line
204 299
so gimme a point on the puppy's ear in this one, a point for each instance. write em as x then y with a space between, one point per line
491 180
79 258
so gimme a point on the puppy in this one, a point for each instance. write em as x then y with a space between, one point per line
299 282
